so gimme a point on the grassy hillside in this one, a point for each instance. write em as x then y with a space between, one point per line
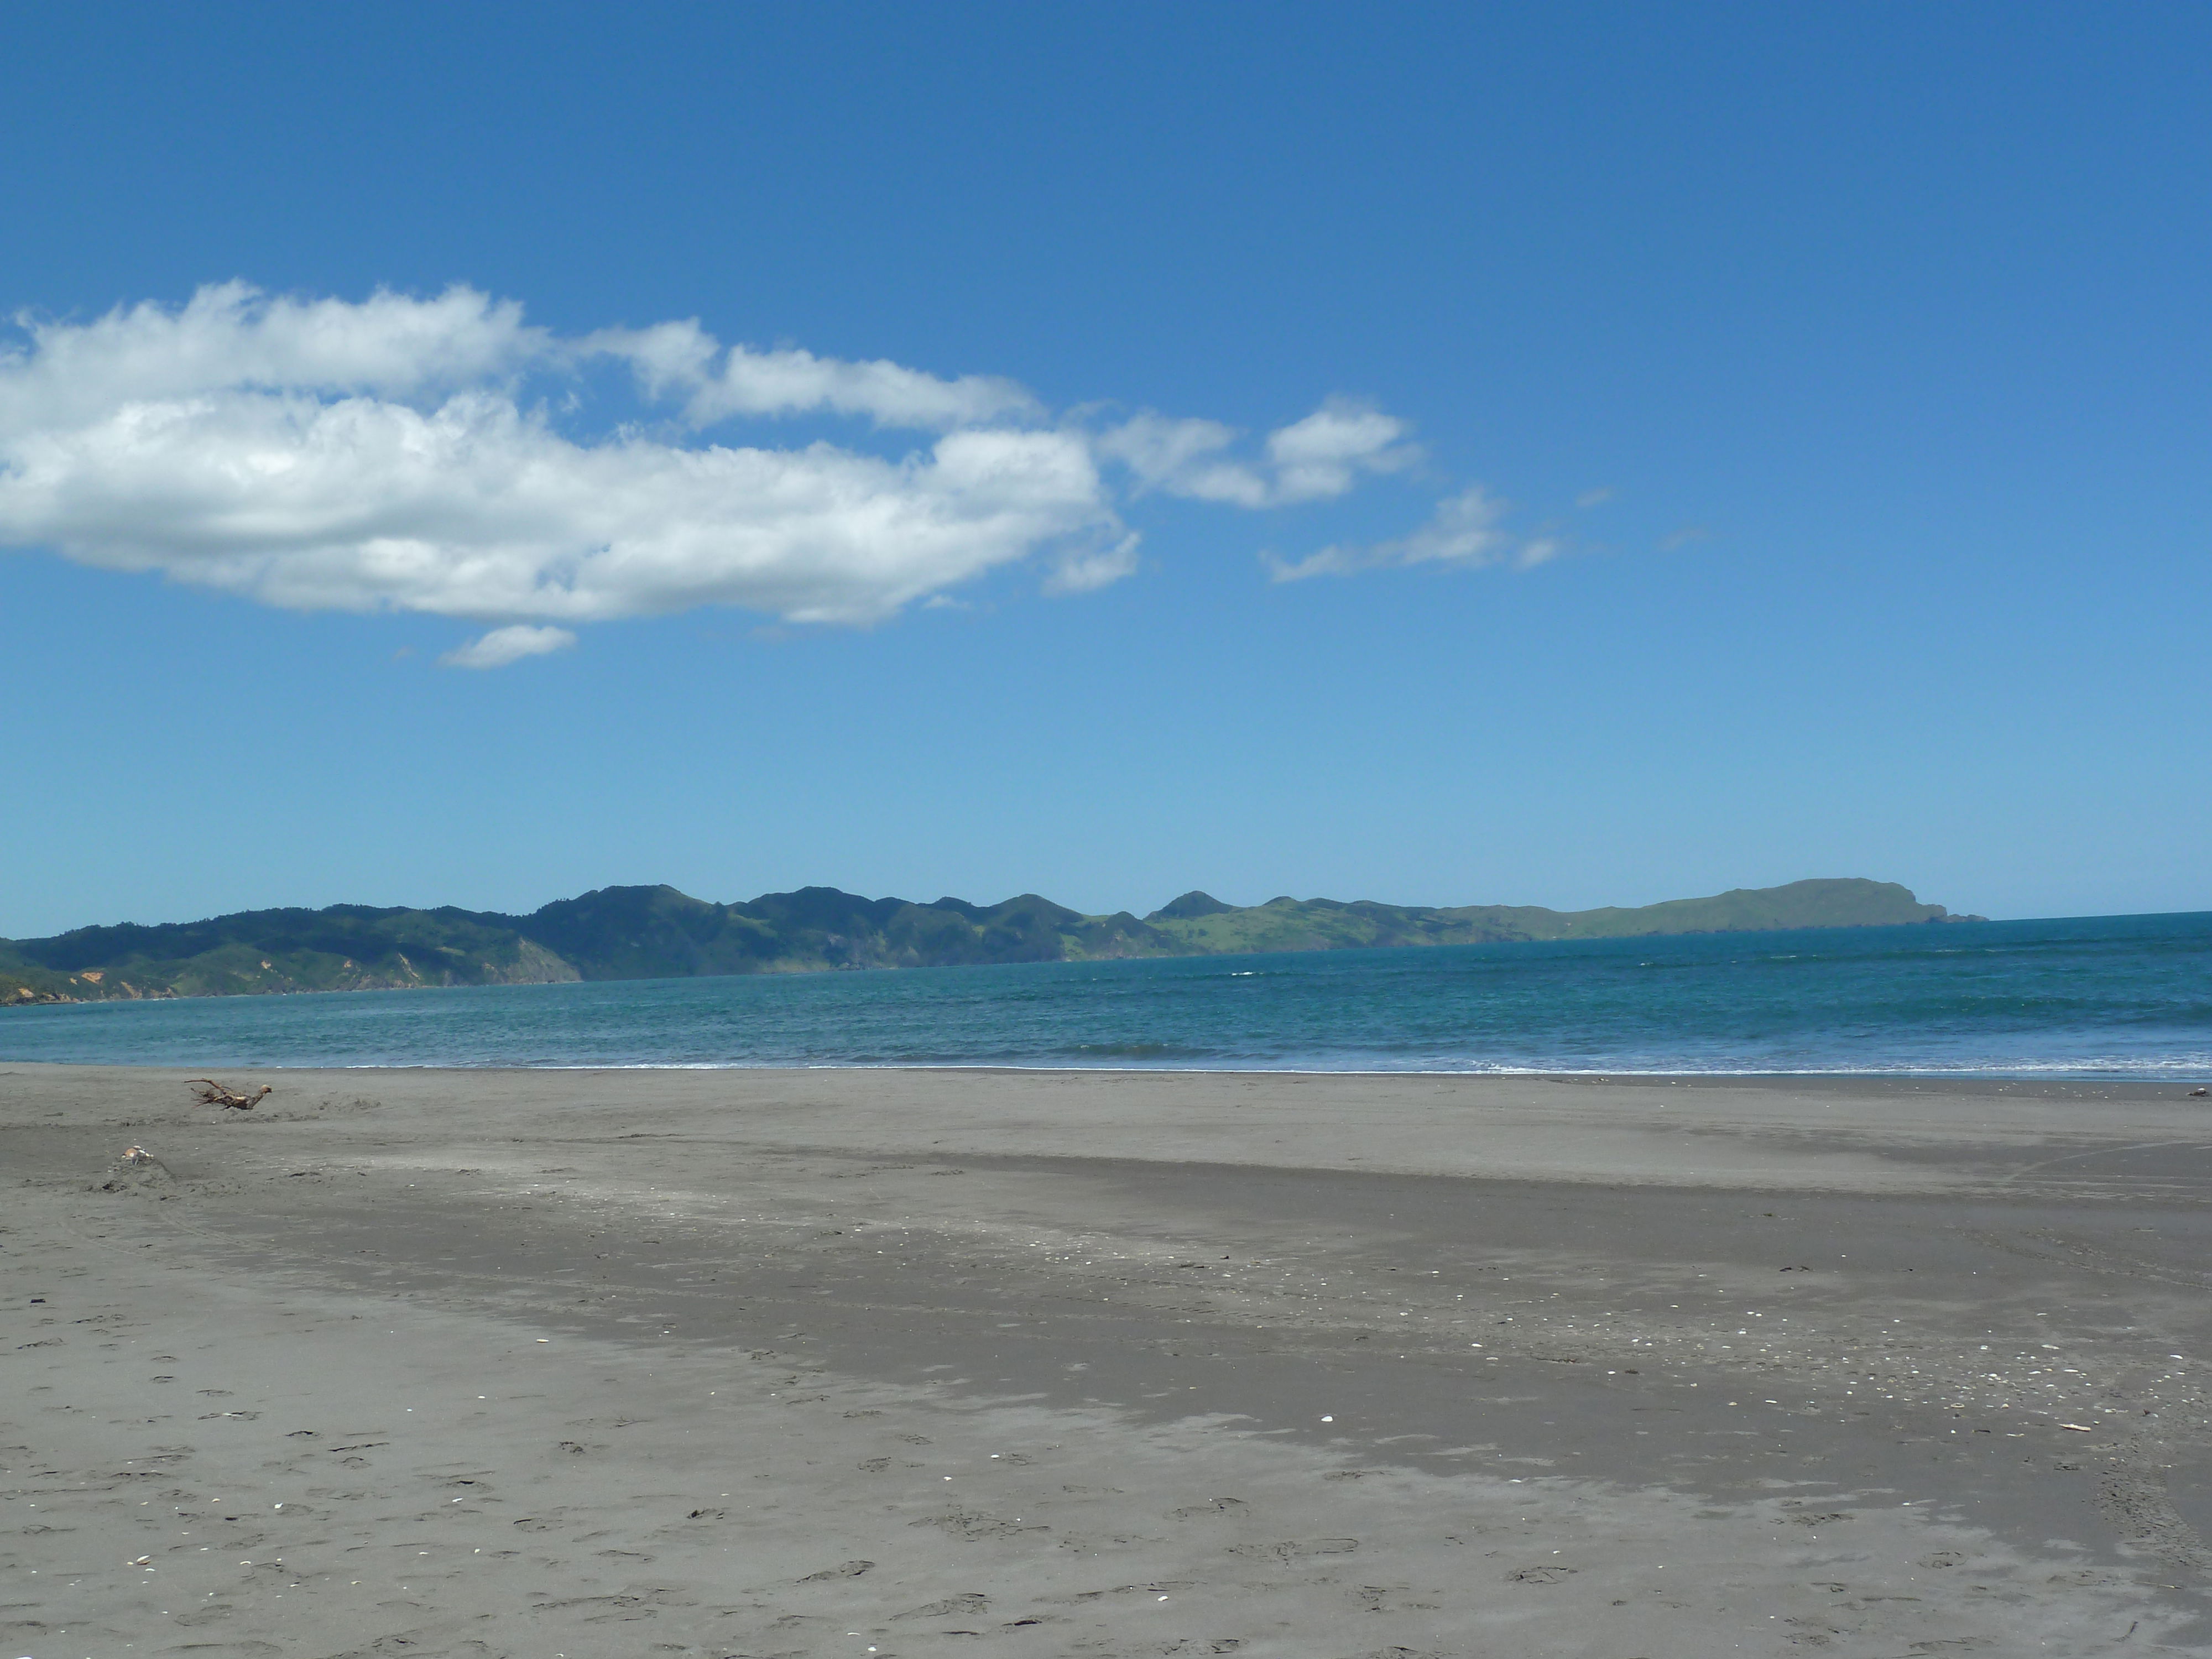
347 947
1851 903
642 932
1287 924
657 932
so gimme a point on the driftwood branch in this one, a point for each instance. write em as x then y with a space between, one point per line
208 1092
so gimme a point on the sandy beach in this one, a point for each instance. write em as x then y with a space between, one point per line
756 1362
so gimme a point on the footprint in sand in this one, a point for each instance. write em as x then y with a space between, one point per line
1212 1506
1288 1550
951 1606
975 1526
843 1569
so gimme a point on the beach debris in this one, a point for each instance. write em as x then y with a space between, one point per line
2193 1093
208 1092
134 1170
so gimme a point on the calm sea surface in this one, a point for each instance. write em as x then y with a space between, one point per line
2118 996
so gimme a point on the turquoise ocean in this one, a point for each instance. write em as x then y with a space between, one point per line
2096 997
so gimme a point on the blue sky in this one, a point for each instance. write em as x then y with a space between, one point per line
1565 454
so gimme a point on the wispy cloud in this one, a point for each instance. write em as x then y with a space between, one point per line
510 644
1466 530
1323 455
1079 571
682 359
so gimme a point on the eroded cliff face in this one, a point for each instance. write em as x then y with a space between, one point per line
529 963
231 973
534 965
13 994
95 986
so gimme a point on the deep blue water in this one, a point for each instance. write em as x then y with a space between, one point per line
2113 996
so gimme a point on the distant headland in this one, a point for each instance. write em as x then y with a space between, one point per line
657 932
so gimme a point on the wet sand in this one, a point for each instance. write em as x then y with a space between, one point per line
908 1363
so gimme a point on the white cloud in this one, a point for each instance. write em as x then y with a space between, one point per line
230 336
477 509
1323 455
1463 531
683 360
1085 572
324 455
402 453
510 644
1184 458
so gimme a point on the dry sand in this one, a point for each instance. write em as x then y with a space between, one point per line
576 1365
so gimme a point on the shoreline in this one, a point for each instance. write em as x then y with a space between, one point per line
2055 1084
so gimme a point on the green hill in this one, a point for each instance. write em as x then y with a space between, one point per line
1286 923
657 932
